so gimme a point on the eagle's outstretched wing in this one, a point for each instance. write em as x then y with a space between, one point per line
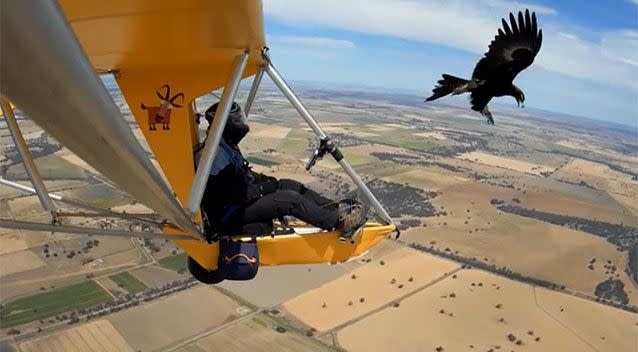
512 50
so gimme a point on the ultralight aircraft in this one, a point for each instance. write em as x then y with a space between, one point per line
163 54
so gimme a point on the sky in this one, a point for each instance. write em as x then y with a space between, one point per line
587 66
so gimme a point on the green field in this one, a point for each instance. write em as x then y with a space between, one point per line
175 262
259 160
358 159
296 142
128 282
77 296
50 167
400 137
382 169
101 195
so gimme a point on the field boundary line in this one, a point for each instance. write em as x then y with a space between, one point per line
204 334
560 322
104 287
386 305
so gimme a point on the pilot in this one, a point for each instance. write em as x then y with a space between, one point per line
238 200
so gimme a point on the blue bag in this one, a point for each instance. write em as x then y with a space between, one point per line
238 260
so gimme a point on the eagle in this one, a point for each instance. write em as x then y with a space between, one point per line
512 50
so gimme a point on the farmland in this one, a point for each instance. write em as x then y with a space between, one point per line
43 305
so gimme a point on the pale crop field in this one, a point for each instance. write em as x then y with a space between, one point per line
507 163
255 335
167 321
366 288
96 336
478 311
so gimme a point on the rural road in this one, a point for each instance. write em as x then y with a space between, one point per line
386 305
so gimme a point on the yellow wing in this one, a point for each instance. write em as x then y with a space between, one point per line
188 45
160 49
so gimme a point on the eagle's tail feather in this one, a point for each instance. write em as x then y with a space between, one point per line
449 85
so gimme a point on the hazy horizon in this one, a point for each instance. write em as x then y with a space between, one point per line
587 66
459 101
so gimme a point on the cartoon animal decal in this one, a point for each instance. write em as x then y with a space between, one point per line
162 114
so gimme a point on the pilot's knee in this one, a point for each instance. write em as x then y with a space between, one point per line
289 195
292 185
287 202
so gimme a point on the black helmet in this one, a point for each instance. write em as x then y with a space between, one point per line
210 112
236 127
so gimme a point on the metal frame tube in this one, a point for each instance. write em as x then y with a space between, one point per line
192 110
72 104
147 218
301 109
26 189
253 90
367 193
35 226
126 216
294 100
215 134
27 160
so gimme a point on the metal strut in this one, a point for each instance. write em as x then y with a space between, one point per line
72 104
324 139
23 188
253 90
215 134
34 226
152 219
27 160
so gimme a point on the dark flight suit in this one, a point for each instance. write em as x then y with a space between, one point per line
239 201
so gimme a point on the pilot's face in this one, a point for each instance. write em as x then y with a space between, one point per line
238 118
236 127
